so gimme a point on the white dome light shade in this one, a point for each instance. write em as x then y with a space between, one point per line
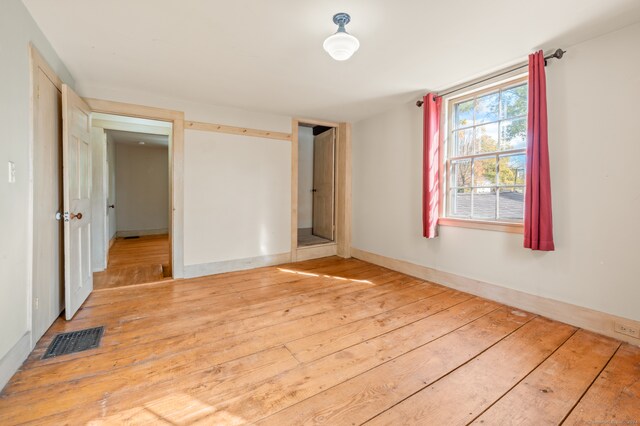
341 45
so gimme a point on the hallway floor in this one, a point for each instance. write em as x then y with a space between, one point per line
135 261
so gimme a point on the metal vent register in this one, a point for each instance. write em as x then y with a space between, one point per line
74 341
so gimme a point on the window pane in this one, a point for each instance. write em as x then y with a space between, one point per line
463 142
487 108
487 138
461 173
484 203
484 171
511 203
464 114
512 169
513 134
514 101
460 202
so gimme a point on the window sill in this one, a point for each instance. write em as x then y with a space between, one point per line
514 228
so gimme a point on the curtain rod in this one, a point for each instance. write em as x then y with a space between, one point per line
555 55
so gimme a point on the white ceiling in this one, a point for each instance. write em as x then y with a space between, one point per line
267 55
134 138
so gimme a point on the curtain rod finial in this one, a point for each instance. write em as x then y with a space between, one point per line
559 53
419 103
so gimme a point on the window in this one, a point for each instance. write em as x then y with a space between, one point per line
485 155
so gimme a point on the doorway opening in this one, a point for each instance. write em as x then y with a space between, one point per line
333 224
130 200
66 193
316 185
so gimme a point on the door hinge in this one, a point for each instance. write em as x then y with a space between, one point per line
37 303
66 216
38 92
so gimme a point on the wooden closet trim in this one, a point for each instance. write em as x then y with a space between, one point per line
233 130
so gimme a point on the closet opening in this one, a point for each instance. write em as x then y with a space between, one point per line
316 185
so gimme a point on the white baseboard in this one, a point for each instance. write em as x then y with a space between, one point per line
202 269
141 232
589 319
315 252
11 362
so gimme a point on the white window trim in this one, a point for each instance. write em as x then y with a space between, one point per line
445 126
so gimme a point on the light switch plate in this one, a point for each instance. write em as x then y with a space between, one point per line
12 172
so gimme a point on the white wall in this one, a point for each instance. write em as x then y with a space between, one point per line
305 177
111 198
221 223
142 182
593 97
237 197
17 29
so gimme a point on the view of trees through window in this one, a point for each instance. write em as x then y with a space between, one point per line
487 155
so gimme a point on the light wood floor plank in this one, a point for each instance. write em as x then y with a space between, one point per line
311 378
201 301
218 351
334 339
234 281
106 395
237 336
460 396
363 397
231 307
614 398
221 285
326 341
542 399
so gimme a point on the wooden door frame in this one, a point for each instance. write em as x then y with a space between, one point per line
176 168
341 246
37 62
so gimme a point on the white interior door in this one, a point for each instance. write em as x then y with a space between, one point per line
323 183
76 176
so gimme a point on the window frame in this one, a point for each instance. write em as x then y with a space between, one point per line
447 123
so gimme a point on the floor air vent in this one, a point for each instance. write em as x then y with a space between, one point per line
74 341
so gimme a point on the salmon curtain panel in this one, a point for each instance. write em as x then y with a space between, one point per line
430 165
538 224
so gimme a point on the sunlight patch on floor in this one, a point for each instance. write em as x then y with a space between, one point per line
174 409
308 274
333 277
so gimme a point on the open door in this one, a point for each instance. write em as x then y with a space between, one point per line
76 176
323 183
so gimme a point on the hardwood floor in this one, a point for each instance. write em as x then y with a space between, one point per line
135 261
328 341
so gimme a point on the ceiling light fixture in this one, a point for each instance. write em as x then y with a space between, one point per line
341 45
